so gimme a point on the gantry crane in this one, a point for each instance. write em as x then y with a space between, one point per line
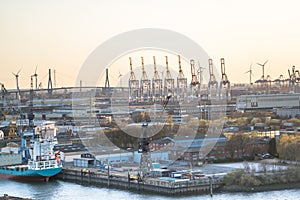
156 84
3 91
133 84
200 74
225 83
144 84
293 79
194 81
181 83
169 81
212 83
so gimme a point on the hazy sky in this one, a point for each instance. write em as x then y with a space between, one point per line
60 34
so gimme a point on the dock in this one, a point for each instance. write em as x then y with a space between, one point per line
203 185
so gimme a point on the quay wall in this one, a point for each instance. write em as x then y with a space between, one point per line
202 185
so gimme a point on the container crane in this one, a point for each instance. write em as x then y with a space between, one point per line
194 81
156 83
144 84
3 91
292 78
212 84
225 83
133 84
181 82
200 74
169 81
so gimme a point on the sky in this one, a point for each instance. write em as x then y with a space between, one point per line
61 34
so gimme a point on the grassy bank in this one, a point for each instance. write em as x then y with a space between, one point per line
241 181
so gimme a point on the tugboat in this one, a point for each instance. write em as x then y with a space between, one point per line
36 160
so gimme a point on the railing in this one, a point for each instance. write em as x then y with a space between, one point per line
43 164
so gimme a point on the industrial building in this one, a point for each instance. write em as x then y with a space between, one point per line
268 101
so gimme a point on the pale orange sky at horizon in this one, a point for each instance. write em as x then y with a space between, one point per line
61 34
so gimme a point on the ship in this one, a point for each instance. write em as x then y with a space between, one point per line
35 159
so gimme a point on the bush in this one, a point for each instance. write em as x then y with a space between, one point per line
233 178
249 180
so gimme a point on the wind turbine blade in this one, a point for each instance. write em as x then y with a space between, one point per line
18 72
260 64
35 70
265 63
14 74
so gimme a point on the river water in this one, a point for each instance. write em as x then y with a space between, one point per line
60 190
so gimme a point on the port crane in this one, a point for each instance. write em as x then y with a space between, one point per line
212 84
169 81
225 83
145 84
194 81
181 82
3 91
156 84
293 79
133 85
200 74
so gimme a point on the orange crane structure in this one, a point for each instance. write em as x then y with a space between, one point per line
145 85
194 82
224 83
133 84
212 84
156 84
169 81
181 83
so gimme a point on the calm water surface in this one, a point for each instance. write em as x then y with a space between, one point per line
60 190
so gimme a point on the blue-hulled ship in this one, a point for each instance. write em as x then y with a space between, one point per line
35 159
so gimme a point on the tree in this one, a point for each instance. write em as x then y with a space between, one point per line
239 142
272 147
288 147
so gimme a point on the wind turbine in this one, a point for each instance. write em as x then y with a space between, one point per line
263 69
250 73
17 79
120 78
35 75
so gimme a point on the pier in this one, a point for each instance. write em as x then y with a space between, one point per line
203 185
